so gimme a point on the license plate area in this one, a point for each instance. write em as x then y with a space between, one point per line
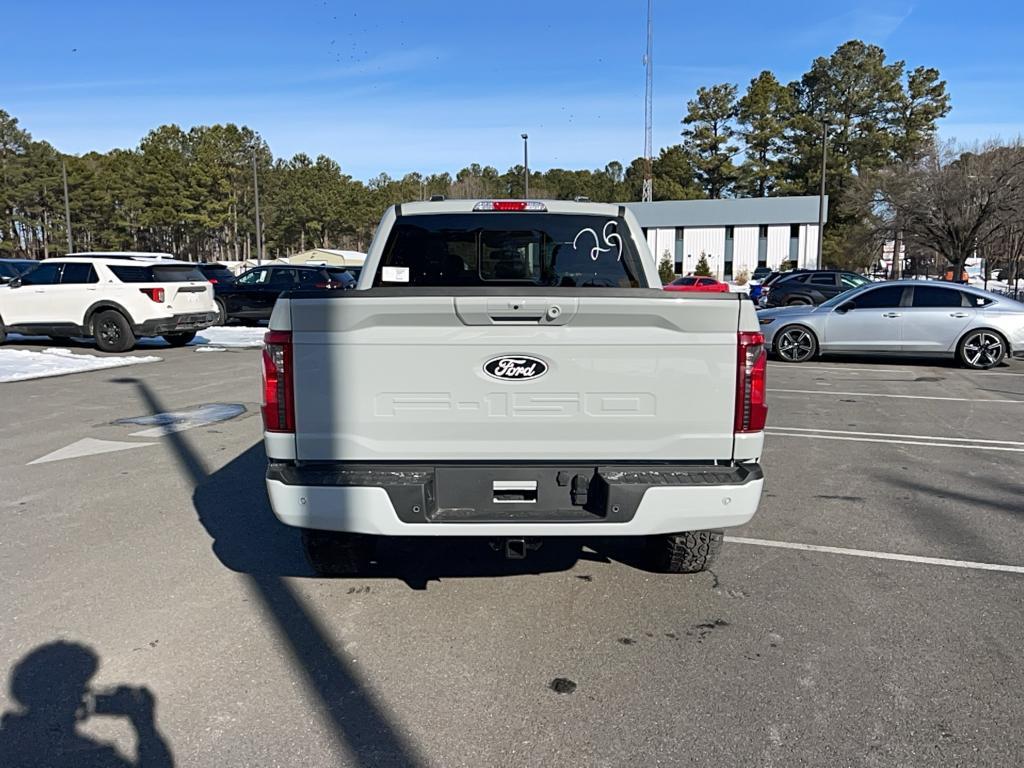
478 493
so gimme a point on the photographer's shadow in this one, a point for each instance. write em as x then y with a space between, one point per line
51 688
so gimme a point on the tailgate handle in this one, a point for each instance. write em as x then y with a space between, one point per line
516 318
514 491
516 310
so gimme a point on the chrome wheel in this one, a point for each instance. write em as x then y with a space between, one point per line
796 345
982 349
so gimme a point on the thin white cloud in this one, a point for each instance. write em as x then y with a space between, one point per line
265 77
872 26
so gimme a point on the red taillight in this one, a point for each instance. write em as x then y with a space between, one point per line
155 294
278 392
211 280
751 369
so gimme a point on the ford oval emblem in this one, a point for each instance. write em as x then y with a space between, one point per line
515 367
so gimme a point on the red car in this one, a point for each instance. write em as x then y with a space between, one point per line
697 284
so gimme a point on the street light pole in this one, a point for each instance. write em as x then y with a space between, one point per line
821 194
259 230
526 166
67 205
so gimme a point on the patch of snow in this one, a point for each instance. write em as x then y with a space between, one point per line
227 337
23 364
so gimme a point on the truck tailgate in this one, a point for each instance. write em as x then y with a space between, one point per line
614 378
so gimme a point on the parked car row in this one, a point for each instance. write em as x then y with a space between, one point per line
902 317
807 313
117 298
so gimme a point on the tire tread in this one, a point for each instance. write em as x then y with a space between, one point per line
687 552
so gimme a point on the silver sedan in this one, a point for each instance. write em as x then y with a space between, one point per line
905 317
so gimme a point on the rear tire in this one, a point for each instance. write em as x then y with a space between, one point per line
331 553
981 349
799 302
179 339
795 344
222 313
688 552
3 332
112 332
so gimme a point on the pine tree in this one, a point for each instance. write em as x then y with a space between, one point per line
666 270
708 138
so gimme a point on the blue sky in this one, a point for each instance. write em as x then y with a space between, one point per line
432 86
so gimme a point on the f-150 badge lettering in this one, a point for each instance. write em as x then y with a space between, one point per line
515 367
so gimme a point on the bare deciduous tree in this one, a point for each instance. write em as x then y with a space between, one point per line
952 201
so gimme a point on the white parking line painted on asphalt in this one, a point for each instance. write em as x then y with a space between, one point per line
921 443
877 555
908 437
834 369
901 397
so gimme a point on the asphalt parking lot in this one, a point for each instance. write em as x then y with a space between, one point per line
161 556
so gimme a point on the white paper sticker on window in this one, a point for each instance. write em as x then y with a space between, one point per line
396 274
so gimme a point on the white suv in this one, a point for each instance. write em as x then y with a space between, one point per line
113 297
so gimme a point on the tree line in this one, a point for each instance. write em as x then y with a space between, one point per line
191 192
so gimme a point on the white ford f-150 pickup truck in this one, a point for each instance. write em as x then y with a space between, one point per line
511 369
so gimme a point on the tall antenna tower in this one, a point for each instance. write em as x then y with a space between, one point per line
648 191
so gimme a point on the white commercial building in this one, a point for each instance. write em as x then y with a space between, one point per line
736 235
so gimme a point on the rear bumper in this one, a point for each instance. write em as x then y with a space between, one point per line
193 321
460 500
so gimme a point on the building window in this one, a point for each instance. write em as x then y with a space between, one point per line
679 232
727 273
762 231
794 231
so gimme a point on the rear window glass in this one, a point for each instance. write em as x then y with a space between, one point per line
178 273
313 276
496 249
974 300
341 276
217 273
685 281
77 273
926 296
